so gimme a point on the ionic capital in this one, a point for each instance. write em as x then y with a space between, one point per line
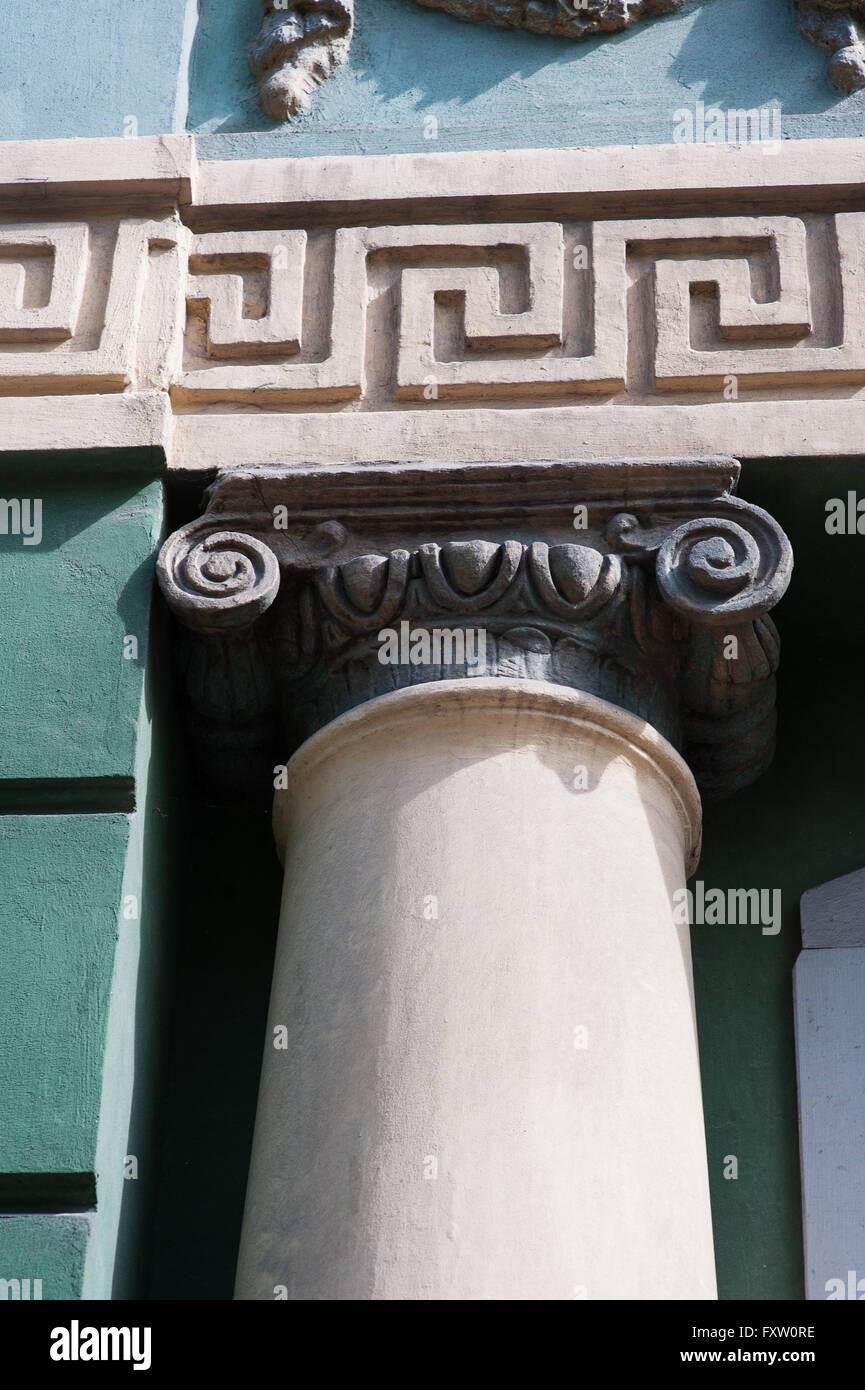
308 590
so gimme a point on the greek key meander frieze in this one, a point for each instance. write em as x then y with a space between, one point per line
635 582
90 306
428 314
418 317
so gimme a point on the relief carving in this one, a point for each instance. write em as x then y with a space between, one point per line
464 314
299 45
453 315
561 19
349 583
839 26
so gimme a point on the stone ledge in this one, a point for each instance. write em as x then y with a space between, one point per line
603 179
48 173
60 423
746 429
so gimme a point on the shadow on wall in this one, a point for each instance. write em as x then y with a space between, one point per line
765 61
398 50
488 87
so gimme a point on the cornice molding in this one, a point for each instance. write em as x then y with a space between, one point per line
597 181
132 175
646 583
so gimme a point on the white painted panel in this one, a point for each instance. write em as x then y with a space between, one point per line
829 999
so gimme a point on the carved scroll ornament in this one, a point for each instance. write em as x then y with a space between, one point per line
289 582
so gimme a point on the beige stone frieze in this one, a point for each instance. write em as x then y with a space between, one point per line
481 306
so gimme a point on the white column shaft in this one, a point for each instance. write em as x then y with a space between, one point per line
490 1088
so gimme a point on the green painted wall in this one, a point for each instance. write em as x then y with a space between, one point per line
69 699
50 1248
62 879
129 1152
85 864
801 824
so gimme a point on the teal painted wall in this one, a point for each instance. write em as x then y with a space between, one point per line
490 88
50 1248
93 67
117 67
133 1089
69 700
62 878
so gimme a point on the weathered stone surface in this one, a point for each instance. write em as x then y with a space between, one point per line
112 313
645 583
298 46
562 19
838 25
525 311
474 306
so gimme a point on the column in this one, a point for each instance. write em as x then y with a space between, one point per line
490 1088
481 1076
